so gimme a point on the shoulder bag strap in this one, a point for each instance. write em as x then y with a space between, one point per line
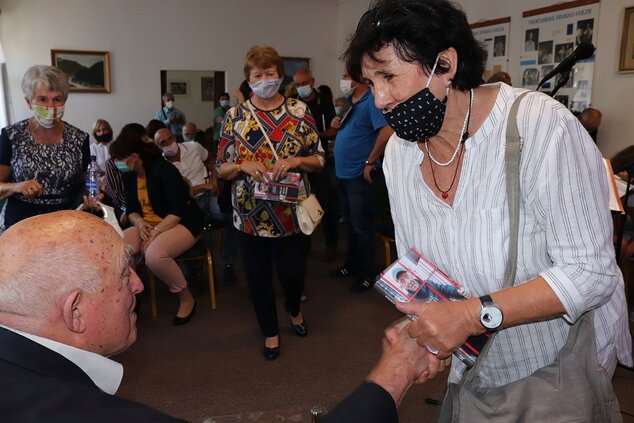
512 155
257 120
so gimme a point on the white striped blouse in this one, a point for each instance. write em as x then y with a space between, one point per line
565 231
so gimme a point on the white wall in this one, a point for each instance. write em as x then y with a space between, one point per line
612 93
145 36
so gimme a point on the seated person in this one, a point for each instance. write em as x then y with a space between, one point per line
165 220
55 336
192 133
190 159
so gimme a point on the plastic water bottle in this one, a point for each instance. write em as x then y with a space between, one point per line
92 179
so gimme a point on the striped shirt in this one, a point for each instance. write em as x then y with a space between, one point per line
565 233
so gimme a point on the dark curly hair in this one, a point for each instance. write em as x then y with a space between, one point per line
418 30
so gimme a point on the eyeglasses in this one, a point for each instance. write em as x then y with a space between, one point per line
383 13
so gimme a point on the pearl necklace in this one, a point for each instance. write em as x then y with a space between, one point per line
463 136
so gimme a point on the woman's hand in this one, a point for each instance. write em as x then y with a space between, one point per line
283 166
89 203
29 189
144 228
146 242
336 122
255 169
443 326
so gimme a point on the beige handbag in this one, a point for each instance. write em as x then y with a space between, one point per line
575 388
307 211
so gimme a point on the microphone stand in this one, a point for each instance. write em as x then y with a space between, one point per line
562 79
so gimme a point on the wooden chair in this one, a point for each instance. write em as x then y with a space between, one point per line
199 252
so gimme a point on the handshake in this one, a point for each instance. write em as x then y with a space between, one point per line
403 362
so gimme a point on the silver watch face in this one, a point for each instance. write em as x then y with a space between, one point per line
491 317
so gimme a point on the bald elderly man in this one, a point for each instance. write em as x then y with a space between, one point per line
67 299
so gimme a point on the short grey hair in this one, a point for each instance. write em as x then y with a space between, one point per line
46 280
51 77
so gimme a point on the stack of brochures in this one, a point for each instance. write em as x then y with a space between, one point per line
414 278
286 190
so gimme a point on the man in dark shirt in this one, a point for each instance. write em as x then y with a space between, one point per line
323 183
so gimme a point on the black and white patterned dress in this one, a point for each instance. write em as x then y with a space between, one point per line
58 167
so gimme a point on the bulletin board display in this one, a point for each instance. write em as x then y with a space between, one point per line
494 37
551 34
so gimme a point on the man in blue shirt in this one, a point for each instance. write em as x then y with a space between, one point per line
173 118
361 139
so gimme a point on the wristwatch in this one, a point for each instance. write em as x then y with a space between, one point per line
491 315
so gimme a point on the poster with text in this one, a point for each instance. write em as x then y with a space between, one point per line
550 35
494 36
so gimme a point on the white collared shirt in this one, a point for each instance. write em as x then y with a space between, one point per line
192 162
565 231
105 373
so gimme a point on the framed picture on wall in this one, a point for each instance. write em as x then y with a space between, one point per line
87 71
626 56
206 88
180 88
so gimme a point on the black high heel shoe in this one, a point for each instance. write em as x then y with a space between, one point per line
178 321
300 329
271 353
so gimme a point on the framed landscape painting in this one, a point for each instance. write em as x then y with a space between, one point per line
88 71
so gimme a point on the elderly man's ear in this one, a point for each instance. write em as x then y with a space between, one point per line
72 312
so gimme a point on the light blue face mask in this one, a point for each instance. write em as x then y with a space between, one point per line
122 166
266 88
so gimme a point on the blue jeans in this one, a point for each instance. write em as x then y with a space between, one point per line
357 209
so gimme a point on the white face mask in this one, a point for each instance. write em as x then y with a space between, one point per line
169 104
266 88
305 91
187 139
47 116
346 87
170 150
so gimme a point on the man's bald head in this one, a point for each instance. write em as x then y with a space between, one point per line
164 137
45 257
590 119
189 131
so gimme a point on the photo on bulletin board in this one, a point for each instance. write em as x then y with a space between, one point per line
531 39
562 51
626 56
499 46
584 31
545 52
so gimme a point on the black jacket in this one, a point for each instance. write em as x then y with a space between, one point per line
168 193
40 385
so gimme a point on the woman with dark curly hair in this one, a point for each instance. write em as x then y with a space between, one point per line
445 172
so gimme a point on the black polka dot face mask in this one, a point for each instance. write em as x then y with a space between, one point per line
420 116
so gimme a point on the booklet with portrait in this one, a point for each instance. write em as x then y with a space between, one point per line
414 278
287 189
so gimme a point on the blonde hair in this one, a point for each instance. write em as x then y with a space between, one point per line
262 57
99 123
